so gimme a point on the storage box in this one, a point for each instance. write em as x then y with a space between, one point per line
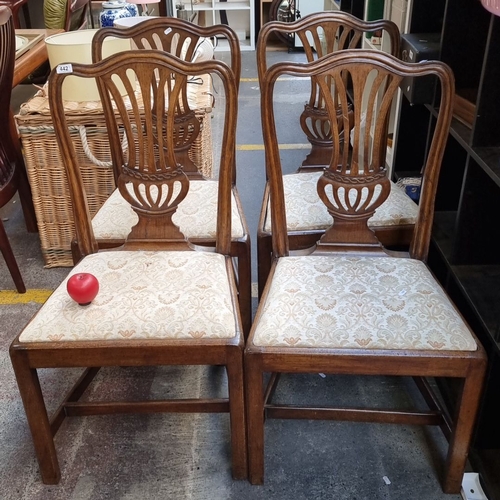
47 175
416 47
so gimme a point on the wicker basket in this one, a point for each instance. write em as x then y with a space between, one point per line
46 171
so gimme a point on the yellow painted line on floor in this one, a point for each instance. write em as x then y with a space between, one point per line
260 147
9 297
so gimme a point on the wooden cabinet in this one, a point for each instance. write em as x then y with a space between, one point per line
464 255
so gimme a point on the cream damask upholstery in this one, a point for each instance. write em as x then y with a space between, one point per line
195 216
359 303
305 211
136 302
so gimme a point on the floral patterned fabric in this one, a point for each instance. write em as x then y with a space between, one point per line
196 216
359 302
305 210
142 295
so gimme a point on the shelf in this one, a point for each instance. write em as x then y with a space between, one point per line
232 6
481 286
371 45
462 254
240 17
207 6
489 160
443 232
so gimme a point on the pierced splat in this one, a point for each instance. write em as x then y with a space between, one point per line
356 183
322 34
150 177
182 40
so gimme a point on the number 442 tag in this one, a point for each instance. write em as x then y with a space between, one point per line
64 68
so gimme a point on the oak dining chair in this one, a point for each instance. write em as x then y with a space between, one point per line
16 6
184 39
307 218
347 305
163 299
13 178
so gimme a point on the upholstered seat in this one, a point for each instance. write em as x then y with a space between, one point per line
305 211
195 215
359 303
135 302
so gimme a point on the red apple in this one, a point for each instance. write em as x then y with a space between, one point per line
83 288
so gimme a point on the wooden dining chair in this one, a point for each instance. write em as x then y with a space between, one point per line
15 6
13 176
183 39
348 305
163 300
307 218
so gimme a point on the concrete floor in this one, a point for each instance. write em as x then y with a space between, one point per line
187 456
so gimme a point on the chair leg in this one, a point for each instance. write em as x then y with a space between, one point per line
255 418
264 258
36 414
24 188
461 437
237 414
245 286
10 260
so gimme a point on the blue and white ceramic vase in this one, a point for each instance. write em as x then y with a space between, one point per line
116 10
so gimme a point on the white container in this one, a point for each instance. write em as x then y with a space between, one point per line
127 22
75 47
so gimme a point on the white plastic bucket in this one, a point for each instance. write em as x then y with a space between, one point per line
75 47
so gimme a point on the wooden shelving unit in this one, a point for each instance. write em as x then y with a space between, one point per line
463 254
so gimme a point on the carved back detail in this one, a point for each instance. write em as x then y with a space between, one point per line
356 182
322 34
142 130
181 39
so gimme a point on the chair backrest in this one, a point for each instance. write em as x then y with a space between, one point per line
321 34
140 128
176 36
182 39
355 183
8 173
